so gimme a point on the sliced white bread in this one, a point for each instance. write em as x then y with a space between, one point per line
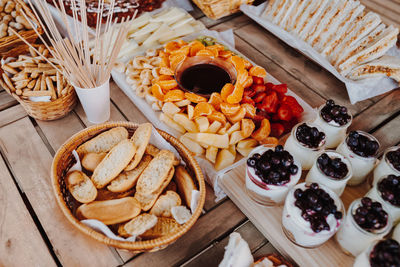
110 211
91 160
113 163
313 18
103 142
127 179
282 18
81 187
384 66
163 205
105 194
139 225
163 227
297 11
303 14
181 214
140 139
153 151
155 173
269 9
185 184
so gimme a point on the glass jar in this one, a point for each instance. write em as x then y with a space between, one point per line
335 133
305 155
362 166
268 194
396 233
352 238
384 167
316 175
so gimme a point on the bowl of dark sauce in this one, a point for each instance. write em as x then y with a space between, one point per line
204 75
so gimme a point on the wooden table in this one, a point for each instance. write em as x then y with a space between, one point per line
34 232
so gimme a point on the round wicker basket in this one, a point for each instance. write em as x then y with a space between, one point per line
48 111
63 160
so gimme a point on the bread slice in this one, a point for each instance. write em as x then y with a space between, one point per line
105 194
81 187
140 139
147 200
110 211
164 203
138 225
185 184
152 150
181 214
155 173
103 142
127 179
113 163
91 160
163 227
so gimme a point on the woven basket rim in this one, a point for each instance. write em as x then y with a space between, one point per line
29 102
147 245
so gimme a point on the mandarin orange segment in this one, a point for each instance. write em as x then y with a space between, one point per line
174 95
195 98
270 141
164 61
248 82
263 131
247 63
171 46
237 62
226 91
157 91
202 109
242 76
183 50
166 71
205 53
214 50
250 110
225 54
258 71
182 42
236 95
167 85
195 47
175 60
229 109
218 47
238 116
164 77
217 116
215 100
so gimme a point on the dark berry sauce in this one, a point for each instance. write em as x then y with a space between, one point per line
309 136
361 144
385 254
331 112
370 215
332 167
389 188
394 158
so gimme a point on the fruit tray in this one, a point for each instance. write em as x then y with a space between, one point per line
268 221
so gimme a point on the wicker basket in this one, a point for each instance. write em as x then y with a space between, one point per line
63 160
12 46
48 111
216 9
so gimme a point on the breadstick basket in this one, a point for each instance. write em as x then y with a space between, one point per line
64 160
216 9
10 44
43 92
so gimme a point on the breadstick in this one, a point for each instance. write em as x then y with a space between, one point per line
59 84
18 92
50 72
31 84
43 83
8 82
35 74
9 69
21 84
36 93
30 65
19 77
16 64
50 87
2 84
32 51
38 83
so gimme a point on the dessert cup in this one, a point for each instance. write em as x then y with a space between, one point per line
316 175
396 233
364 258
384 167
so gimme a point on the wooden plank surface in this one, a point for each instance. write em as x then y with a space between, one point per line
17 229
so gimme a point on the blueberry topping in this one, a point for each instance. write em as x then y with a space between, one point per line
389 188
316 205
361 144
394 158
334 168
385 253
309 136
273 167
331 112
370 216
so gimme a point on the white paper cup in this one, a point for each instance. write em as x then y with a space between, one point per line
95 102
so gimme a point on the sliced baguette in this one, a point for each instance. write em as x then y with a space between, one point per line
110 211
155 173
105 194
163 227
91 160
138 225
127 179
163 205
185 184
113 163
152 150
103 142
81 187
181 214
140 139
147 200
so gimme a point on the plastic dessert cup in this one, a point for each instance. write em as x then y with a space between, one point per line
384 167
268 194
304 154
362 166
352 238
316 175
298 230
364 259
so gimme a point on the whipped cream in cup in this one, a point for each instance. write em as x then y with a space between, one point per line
352 238
384 167
362 166
316 175
298 230
335 133
304 154
268 194
375 194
